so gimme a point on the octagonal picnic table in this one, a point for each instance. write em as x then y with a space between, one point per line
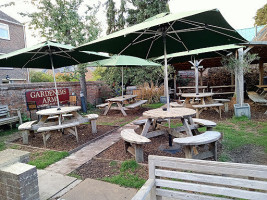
203 97
185 114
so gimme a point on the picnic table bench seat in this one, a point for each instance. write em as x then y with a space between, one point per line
215 106
103 105
133 143
46 129
225 103
208 137
136 104
180 178
142 122
6 118
204 123
25 130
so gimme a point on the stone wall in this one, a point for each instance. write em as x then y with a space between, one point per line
13 95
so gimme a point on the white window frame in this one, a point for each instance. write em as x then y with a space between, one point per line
6 27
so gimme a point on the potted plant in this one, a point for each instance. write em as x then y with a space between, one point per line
238 66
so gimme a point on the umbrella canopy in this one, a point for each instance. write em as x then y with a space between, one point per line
193 56
47 55
38 56
169 32
122 61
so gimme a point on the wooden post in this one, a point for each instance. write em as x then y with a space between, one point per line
201 76
261 72
93 124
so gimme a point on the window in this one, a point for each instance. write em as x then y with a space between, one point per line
4 32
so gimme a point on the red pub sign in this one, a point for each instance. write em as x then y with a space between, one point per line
48 97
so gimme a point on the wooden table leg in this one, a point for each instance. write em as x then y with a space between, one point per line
121 108
107 108
187 127
42 120
139 154
146 127
188 152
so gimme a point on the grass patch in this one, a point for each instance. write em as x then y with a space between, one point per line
42 160
153 105
74 175
3 135
241 131
127 176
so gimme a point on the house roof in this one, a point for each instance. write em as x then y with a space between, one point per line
5 17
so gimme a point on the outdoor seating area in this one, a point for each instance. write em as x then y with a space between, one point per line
141 103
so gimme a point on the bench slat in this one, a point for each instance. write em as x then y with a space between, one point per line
204 138
136 104
257 171
185 196
257 98
220 180
129 135
238 193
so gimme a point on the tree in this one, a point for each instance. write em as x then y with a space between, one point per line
111 16
60 20
261 16
121 18
146 9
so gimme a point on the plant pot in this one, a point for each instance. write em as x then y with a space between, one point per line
243 110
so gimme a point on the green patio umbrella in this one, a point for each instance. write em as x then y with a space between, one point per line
196 56
48 55
168 32
123 61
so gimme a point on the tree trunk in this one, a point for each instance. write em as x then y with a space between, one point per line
83 87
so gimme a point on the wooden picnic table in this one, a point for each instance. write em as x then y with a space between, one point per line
183 88
203 97
185 114
119 101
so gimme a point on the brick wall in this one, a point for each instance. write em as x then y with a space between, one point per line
13 95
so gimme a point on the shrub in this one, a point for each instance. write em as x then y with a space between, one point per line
41 77
151 92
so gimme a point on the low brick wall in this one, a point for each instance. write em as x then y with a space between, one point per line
13 95
18 181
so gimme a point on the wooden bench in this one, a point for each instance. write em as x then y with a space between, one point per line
133 143
136 104
26 129
215 106
204 123
142 122
67 126
103 105
208 137
92 119
6 118
179 178
256 98
225 103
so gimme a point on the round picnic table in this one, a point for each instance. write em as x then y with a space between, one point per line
185 114
203 97
58 112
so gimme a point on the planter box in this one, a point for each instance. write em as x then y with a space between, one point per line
242 111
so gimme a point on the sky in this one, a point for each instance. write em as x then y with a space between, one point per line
238 13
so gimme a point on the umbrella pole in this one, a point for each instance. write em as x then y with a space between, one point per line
55 81
166 73
196 76
122 82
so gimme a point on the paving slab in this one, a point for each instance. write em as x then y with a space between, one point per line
91 189
51 183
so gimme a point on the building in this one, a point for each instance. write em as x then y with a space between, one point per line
12 37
